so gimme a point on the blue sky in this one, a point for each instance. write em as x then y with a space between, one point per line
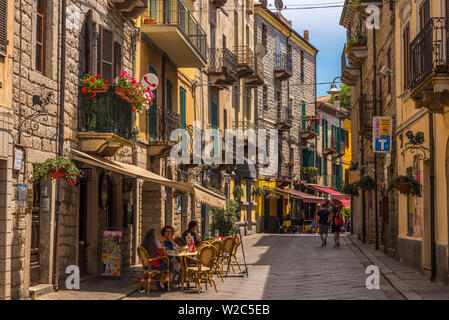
326 35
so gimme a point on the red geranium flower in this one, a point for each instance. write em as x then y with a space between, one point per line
134 109
92 95
98 76
105 86
84 90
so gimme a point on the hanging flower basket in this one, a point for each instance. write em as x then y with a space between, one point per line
406 185
93 85
366 183
351 189
56 168
258 191
140 98
57 174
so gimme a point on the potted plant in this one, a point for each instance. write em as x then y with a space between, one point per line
56 168
350 189
128 88
237 192
258 191
406 185
366 183
93 85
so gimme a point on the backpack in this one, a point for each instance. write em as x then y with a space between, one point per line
338 220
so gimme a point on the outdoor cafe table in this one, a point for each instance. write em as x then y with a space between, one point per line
182 257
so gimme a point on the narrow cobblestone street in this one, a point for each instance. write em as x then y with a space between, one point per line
289 267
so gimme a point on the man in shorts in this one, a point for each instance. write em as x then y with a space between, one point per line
323 222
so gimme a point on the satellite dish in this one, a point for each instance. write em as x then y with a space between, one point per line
279 4
264 3
260 50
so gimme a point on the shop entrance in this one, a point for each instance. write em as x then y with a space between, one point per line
83 244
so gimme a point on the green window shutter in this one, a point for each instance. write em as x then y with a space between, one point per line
326 133
338 138
319 165
317 128
182 108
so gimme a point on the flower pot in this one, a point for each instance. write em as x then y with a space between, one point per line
149 21
403 188
98 90
122 93
57 174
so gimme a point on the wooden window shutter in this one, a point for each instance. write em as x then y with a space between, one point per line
117 59
88 43
3 25
106 53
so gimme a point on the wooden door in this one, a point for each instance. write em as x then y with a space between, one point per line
35 261
83 244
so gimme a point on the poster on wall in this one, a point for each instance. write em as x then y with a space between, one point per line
111 253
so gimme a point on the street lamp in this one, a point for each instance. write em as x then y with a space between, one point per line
334 90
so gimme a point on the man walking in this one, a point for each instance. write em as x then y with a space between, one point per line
323 220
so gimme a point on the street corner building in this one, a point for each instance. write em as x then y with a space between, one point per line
398 71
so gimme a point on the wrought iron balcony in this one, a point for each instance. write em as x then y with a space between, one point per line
245 61
283 66
172 27
308 129
366 114
308 176
356 44
131 9
331 148
284 118
430 65
160 145
349 74
104 122
223 66
257 78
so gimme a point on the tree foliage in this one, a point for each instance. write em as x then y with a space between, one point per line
224 220
344 96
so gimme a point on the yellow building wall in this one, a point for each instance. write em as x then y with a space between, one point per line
348 152
147 55
416 120
260 208
6 62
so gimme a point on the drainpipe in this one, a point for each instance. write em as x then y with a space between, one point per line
362 161
376 205
60 143
432 198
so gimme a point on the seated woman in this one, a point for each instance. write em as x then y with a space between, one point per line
168 242
150 244
192 230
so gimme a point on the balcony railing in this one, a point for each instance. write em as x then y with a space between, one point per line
107 112
283 66
428 52
245 60
176 13
223 62
308 130
257 78
171 123
284 118
349 75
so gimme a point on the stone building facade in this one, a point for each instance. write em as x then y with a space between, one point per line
372 51
28 250
289 92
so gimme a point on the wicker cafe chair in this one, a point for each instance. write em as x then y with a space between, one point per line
234 252
228 246
202 270
149 274
218 245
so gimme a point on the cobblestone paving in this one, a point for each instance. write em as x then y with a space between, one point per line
286 267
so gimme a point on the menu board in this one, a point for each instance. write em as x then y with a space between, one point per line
111 253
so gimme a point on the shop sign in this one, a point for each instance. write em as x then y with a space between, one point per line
382 127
